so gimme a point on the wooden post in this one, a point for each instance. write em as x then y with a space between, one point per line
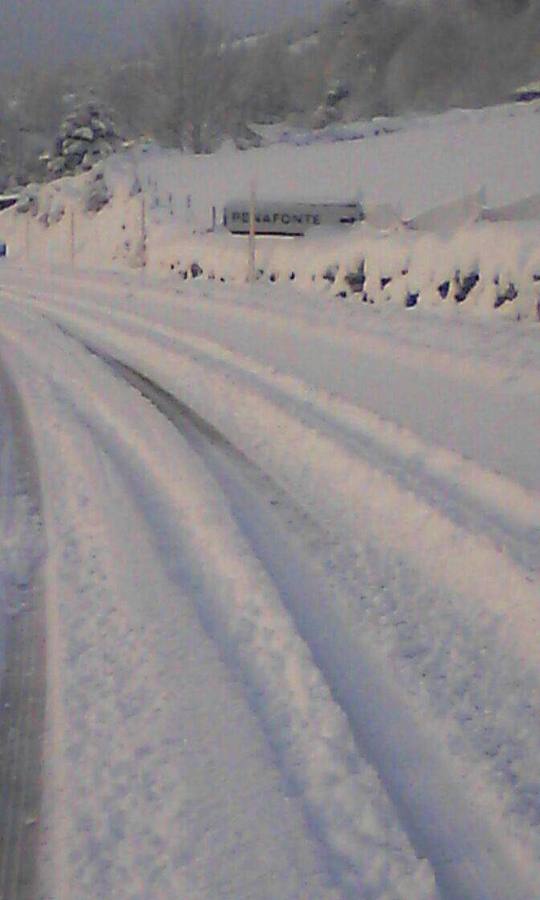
27 236
143 233
72 239
251 242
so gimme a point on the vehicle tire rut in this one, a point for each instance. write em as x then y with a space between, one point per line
23 681
470 862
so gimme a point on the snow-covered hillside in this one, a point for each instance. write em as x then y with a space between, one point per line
474 173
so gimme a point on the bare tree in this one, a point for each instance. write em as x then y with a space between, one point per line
424 54
190 71
130 88
266 79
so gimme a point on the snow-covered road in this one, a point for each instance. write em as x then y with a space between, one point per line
291 589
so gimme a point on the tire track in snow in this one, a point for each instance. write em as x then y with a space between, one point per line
460 876
22 678
471 495
148 810
199 370
145 829
440 476
474 565
491 677
344 801
478 372
478 550
468 860
466 668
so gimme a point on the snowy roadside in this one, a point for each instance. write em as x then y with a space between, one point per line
448 230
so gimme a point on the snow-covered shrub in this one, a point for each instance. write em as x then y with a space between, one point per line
87 136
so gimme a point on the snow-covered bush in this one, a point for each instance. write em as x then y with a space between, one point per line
86 136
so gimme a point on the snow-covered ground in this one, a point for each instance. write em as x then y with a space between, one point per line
452 212
290 564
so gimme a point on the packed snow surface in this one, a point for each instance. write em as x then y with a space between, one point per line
290 550
296 655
